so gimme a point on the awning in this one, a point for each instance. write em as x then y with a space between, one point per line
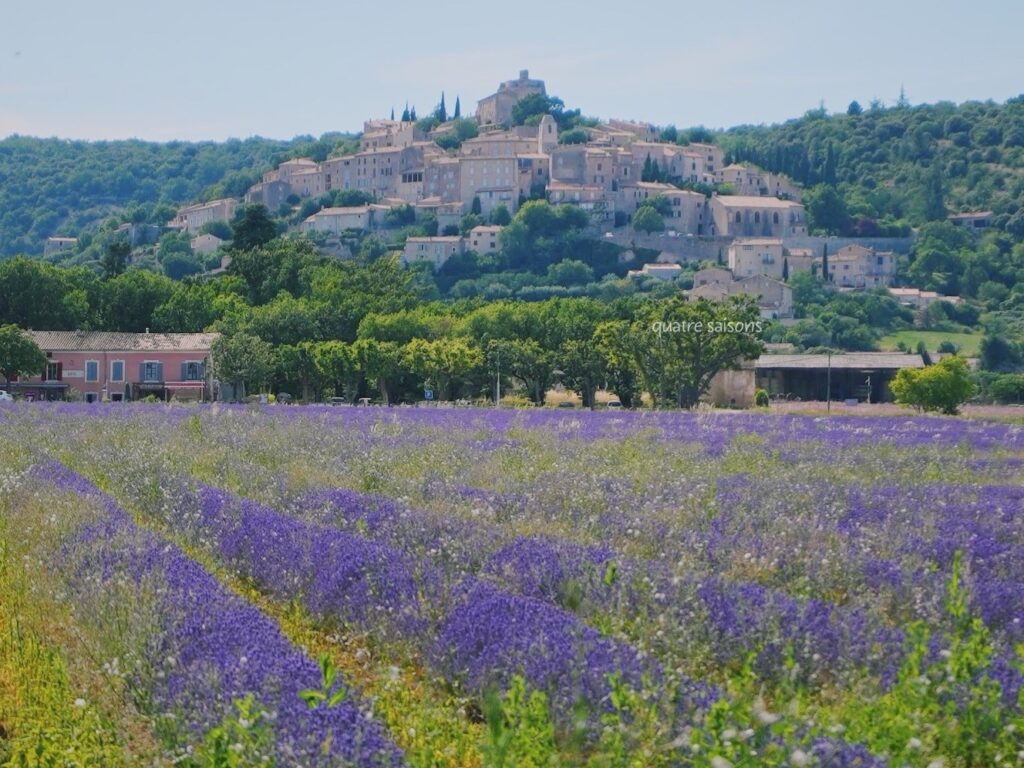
38 385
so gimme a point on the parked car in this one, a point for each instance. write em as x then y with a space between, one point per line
5 396
567 404
613 404
284 398
337 401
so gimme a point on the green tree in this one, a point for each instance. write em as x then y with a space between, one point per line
458 109
115 258
191 308
998 354
19 354
43 297
828 173
217 228
252 228
827 210
678 346
648 220
281 265
500 215
583 368
537 105
129 301
381 363
442 363
942 387
570 272
338 364
441 113
178 266
574 136
934 195
295 364
612 340
469 222
242 360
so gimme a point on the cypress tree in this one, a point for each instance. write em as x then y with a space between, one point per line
829 173
412 113
406 117
392 114
785 269
648 170
458 109
442 111
824 262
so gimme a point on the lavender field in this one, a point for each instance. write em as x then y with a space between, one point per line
445 587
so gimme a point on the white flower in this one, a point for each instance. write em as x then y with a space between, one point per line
79 703
914 743
720 762
799 758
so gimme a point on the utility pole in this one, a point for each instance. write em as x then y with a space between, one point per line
828 384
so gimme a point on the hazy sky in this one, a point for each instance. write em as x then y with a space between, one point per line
210 69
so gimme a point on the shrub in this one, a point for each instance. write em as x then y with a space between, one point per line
761 398
943 387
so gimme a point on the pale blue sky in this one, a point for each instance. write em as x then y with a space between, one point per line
210 69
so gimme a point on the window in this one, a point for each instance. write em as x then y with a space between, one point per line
757 217
739 218
775 218
192 371
92 370
151 371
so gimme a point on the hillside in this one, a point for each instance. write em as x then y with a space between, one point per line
907 164
57 187
893 168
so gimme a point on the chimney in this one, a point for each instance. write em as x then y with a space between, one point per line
147 330
524 74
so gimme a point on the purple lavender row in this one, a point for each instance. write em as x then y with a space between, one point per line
900 541
716 433
736 618
491 632
481 635
934 521
213 648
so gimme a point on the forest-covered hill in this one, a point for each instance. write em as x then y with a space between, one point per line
58 187
910 163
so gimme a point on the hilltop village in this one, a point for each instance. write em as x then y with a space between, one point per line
436 172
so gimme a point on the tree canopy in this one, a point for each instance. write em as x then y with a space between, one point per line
19 355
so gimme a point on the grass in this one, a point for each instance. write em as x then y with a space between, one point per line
57 707
968 343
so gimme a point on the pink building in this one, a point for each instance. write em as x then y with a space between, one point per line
121 366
